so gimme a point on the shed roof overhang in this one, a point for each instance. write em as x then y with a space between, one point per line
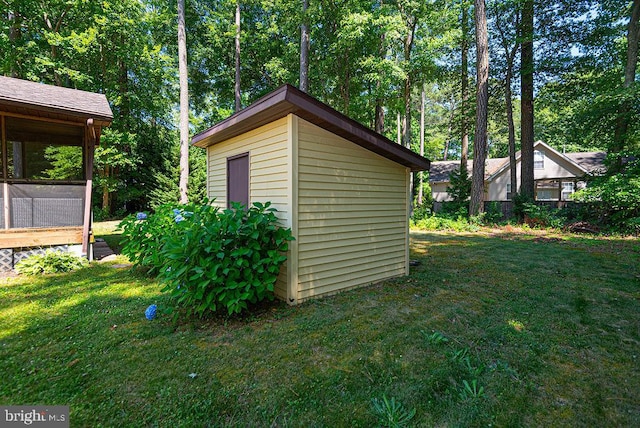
287 99
25 98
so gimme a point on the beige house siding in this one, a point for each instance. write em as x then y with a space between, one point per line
269 177
555 167
439 192
498 186
352 218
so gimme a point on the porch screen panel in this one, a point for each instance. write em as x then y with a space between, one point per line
21 212
45 173
46 205
54 212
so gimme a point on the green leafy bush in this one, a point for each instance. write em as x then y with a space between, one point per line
520 201
445 222
614 200
542 216
50 262
145 234
459 185
573 212
492 212
421 211
455 209
209 258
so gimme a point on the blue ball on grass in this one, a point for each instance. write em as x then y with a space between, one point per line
150 313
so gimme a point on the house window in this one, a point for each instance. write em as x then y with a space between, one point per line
508 191
238 179
538 159
545 195
568 188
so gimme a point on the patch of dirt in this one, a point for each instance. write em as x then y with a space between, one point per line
582 227
544 240
9 274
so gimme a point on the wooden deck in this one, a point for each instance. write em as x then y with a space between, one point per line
19 238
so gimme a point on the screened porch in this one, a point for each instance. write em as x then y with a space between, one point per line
44 182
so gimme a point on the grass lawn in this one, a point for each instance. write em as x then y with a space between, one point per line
503 328
107 231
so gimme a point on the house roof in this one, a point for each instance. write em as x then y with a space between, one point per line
37 99
537 146
593 162
588 162
287 99
439 172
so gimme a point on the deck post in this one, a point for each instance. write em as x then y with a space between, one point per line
90 139
5 174
559 205
5 207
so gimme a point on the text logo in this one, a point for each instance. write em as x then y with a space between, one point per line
34 416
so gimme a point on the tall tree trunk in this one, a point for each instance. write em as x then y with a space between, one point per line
447 144
237 57
633 40
464 78
123 88
622 122
54 49
14 35
510 55
304 49
406 122
346 84
105 190
527 185
184 104
420 174
512 132
480 141
379 119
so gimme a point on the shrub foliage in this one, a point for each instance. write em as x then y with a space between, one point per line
614 200
459 190
207 258
50 262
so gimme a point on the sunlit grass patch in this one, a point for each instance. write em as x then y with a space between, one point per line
516 325
486 330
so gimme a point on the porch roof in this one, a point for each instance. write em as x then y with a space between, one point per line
36 99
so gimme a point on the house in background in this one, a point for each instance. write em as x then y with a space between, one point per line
48 136
557 176
342 188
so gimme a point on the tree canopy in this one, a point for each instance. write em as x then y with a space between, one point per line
369 59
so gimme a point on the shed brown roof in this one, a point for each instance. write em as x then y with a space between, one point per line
287 99
37 99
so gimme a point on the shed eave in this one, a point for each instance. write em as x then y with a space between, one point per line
287 99
267 109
